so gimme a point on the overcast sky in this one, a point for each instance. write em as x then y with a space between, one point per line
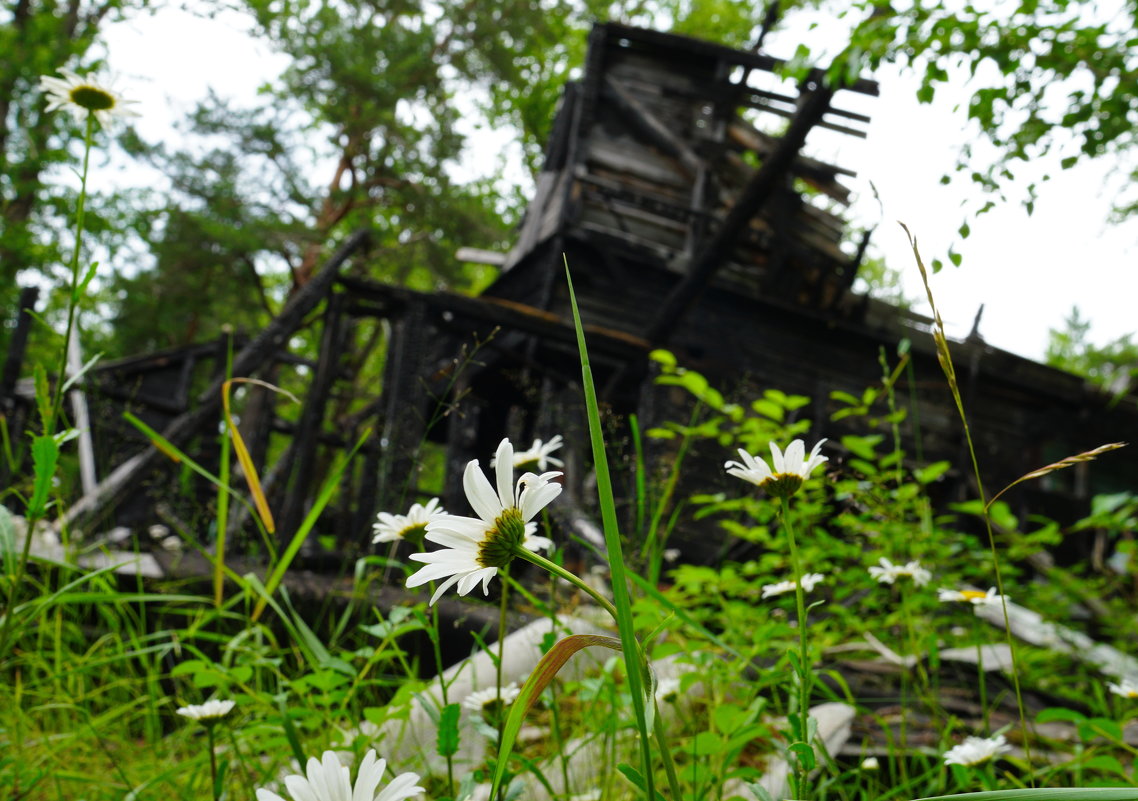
1027 271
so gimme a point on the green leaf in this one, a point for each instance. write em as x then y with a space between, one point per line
1059 713
448 730
637 778
728 717
45 458
621 601
1100 727
1045 794
538 680
707 743
1105 762
862 446
930 473
664 358
804 753
769 409
43 396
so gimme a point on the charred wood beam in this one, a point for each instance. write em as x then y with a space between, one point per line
304 467
18 344
404 425
651 127
750 201
502 312
260 350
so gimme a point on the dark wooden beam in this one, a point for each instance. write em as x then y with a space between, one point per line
18 344
750 201
650 126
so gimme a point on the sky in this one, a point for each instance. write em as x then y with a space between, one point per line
1027 271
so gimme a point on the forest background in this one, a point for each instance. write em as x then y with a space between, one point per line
378 109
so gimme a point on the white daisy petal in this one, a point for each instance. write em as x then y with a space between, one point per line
480 493
327 780
786 472
504 473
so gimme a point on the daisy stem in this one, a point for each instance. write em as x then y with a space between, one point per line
805 668
980 677
503 605
214 789
443 686
561 572
73 294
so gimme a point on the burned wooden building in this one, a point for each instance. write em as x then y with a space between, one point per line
677 190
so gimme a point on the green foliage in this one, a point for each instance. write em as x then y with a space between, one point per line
1113 366
1048 76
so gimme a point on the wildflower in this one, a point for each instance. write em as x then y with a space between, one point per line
413 525
1128 688
974 597
536 457
328 780
208 713
808 583
478 702
888 572
787 472
976 750
83 96
476 548
870 763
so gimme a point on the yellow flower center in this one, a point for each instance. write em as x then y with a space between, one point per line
782 485
503 540
414 532
92 98
973 595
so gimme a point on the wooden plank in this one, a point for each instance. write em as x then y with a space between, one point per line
749 202
647 124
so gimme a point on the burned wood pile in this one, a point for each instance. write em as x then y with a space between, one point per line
678 189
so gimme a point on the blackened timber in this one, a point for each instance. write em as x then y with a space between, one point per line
506 313
404 427
18 344
332 345
261 349
650 126
750 201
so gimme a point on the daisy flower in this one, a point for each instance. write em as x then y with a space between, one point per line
888 572
976 750
85 95
475 548
413 525
536 458
328 780
974 597
208 713
1127 688
786 473
477 702
808 583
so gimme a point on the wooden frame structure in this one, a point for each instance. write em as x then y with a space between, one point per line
687 224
